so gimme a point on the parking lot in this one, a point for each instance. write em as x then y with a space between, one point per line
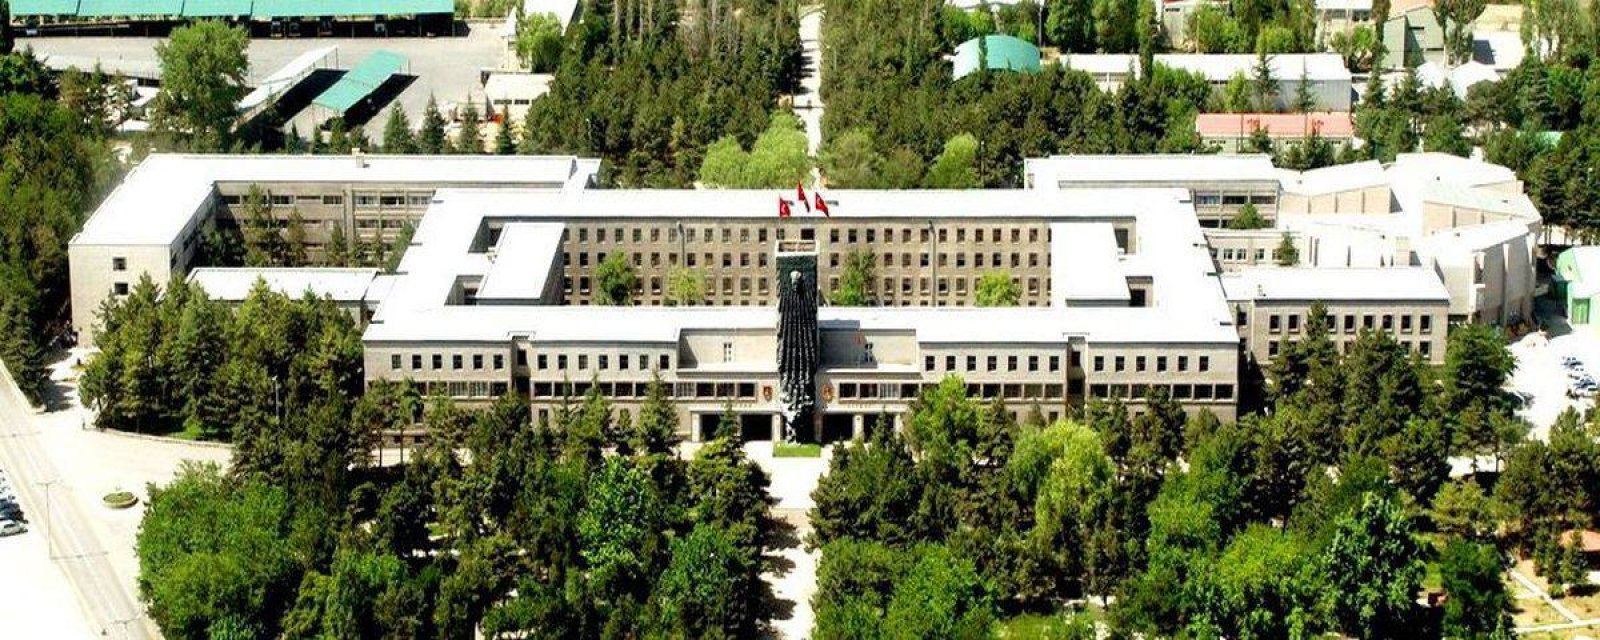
1545 380
445 68
35 600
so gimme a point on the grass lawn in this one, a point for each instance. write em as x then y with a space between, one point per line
796 450
1034 625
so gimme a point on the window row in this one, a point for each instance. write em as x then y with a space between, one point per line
602 361
1142 363
1347 323
1242 255
919 286
1421 347
682 390
910 390
1175 391
995 259
995 363
1202 199
923 234
463 389
458 362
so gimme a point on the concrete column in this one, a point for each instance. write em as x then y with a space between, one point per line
899 423
694 427
858 426
777 427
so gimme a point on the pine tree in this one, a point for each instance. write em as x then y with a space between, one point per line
397 138
505 142
431 139
469 140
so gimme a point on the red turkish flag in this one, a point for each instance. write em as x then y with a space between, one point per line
783 208
822 205
800 195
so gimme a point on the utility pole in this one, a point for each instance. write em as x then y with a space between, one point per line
49 539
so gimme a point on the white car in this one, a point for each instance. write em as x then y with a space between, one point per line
11 528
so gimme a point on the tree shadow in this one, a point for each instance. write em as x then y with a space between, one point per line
781 536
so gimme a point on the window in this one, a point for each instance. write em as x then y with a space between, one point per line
332 201
949 363
927 363
1161 363
438 362
455 361
1121 363
416 361
1388 322
622 363
1204 363
1011 363
544 362
499 361
561 362
119 264
867 357
120 288
993 362
1405 324
1183 363
1099 363
394 361
727 352
1033 363
477 361
1294 323
583 362
1055 363
1138 363
664 363
972 363
1274 323
1425 324
1426 347
604 362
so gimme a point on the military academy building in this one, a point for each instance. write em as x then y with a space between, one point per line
1119 290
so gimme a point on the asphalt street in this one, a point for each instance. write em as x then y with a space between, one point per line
113 611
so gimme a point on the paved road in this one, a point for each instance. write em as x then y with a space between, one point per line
808 103
113 611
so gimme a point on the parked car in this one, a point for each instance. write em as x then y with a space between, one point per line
11 528
1571 362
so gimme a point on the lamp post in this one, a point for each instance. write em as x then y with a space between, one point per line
49 539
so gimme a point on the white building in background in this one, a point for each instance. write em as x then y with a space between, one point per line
1329 79
1465 222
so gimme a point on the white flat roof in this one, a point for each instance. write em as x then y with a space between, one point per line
1188 306
164 193
234 285
1161 169
1299 284
1220 67
691 204
1344 177
522 260
1286 67
1086 268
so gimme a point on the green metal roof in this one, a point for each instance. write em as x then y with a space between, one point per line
44 7
1004 53
295 8
96 8
361 80
216 8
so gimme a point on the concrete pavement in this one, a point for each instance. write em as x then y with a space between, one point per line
112 610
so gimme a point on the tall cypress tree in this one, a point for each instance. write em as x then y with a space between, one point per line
397 138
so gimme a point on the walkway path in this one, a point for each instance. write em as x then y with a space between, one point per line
112 609
808 103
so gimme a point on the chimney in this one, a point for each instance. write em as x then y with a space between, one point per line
360 157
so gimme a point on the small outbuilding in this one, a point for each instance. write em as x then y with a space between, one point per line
999 53
1577 280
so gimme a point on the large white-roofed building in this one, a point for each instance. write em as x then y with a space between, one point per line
1122 287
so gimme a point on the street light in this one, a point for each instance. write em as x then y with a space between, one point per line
48 538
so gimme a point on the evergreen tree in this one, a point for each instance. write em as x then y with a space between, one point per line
505 141
469 139
431 140
397 137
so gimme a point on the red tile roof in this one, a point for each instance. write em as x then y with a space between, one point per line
1278 125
